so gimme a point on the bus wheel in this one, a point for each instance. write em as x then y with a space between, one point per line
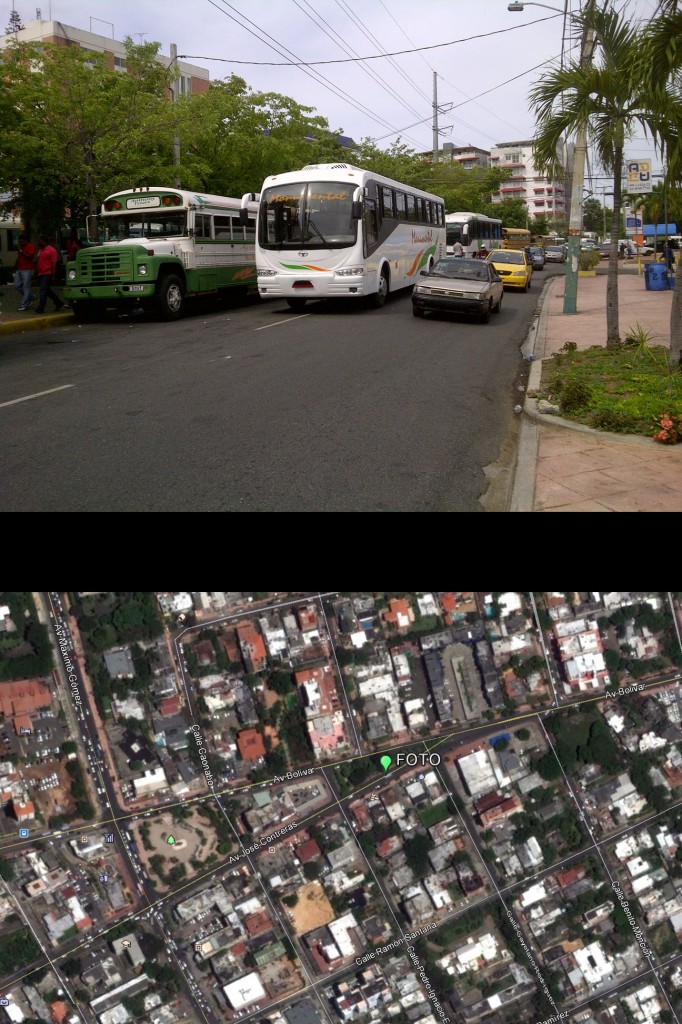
170 298
379 298
296 303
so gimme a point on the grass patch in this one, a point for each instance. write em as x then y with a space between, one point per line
435 813
622 390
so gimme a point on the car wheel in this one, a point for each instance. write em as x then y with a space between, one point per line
170 297
527 287
498 307
296 303
485 317
416 311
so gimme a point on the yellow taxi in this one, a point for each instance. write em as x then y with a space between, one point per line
513 267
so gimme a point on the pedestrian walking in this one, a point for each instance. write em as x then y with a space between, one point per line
48 258
668 256
23 271
458 248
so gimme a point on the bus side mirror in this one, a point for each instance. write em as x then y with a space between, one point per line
92 227
356 210
244 217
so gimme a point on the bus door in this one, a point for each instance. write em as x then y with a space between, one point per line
370 229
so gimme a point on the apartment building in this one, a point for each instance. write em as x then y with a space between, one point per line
523 180
191 79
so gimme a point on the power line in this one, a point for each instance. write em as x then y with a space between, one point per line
355 60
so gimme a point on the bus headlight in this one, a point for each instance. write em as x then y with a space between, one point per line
71 276
142 269
267 273
349 272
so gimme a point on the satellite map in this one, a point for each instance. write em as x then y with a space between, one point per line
285 808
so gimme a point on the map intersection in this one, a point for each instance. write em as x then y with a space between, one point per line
325 807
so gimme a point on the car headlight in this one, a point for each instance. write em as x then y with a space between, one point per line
519 273
142 269
266 273
349 272
71 276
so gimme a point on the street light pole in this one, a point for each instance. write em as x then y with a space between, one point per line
576 214
579 160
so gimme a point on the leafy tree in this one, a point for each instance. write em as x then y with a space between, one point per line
6 870
77 101
281 682
593 215
612 99
15 24
539 224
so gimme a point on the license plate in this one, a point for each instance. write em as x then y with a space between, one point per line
136 288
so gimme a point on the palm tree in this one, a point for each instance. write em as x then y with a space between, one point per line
660 68
611 100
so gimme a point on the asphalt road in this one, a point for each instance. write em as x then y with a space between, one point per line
259 409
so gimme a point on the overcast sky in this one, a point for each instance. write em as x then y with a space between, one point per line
380 98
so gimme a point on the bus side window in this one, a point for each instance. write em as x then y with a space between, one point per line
400 207
387 203
369 225
202 226
223 228
411 208
250 229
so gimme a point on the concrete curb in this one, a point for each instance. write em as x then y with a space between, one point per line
34 322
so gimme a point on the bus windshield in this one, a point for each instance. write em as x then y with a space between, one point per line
317 215
143 224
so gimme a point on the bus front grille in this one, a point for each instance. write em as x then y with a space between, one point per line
108 267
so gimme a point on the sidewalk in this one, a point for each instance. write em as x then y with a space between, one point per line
566 467
12 321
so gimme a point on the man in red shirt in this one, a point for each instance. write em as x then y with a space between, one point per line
48 259
24 267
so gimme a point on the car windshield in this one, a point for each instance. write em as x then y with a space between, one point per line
506 256
460 270
555 248
537 249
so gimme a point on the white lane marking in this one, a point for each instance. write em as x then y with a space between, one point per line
38 394
287 321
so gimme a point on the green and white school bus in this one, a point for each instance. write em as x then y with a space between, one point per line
159 246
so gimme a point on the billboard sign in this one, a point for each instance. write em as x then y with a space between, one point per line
639 177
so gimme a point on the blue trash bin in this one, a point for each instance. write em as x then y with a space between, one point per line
658 277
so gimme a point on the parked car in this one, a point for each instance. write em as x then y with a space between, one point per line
555 254
537 257
587 243
456 285
513 267
605 250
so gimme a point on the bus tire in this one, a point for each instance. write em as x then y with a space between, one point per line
296 304
170 297
378 300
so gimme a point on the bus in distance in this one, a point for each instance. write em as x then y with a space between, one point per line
159 246
338 231
515 238
472 230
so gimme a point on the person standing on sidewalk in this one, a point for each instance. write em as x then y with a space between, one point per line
48 259
23 271
668 256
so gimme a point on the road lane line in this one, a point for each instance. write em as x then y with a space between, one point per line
38 394
278 322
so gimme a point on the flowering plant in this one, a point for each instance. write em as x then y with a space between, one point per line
668 429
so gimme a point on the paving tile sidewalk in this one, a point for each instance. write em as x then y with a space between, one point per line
565 467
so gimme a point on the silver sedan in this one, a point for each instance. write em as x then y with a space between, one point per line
456 285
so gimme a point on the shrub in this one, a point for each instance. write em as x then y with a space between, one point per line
615 421
573 395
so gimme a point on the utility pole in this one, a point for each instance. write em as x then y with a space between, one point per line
174 89
576 215
435 118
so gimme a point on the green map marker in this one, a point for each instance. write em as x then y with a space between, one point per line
170 840
385 761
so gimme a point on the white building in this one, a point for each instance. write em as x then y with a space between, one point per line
525 181
244 991
152 780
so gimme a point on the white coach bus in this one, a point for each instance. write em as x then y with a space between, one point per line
334 230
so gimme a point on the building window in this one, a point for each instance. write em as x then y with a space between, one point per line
119 64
